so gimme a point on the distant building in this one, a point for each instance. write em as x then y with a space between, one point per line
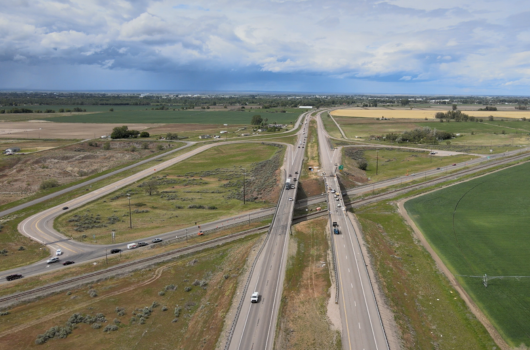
306 107
245 134
205 136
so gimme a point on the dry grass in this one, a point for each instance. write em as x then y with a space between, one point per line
422 114
198 327
303 320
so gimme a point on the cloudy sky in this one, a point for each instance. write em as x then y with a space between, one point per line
332 46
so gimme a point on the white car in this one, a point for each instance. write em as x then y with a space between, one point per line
58 252
254 298
338 205
52 260
290 199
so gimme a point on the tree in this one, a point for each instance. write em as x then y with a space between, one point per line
172 136
106 146
144 134
145 145
454 106
151 187
405 102
490 118
111 110
256 120
120 132
49 184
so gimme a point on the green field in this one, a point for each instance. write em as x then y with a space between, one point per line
210 182
481 227
174 117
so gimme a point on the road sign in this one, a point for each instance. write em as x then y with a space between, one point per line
341 167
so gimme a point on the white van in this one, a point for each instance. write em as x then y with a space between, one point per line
254 298
132 246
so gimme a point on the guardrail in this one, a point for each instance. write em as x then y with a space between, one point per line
247 283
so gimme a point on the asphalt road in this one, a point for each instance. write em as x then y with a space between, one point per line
89 182
256 325
39 227
361 324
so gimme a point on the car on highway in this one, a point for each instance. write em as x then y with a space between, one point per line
290 198
338 205
66 263
437 168
454 164
58 252
156 240
290 175
13 277
52 260
132 246
142 244
296 172
65 208
115 250
254 298
335 224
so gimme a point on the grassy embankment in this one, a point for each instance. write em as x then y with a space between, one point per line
303 322
310 183
480 227
330 125
177 305
201 189
474 137
428 311
11 240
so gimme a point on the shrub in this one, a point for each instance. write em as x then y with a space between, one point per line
4 313
362 164
142 320
93 293
178 309
120 311
110 328
160 147
175 320
51 183
145 145
154 304
187 289
144 134
164 308
116 321
106 146
170 287
161 293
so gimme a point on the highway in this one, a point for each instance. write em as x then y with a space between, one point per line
361 324
39 227
254 327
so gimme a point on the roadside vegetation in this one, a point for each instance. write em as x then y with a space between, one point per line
427 309
330 125
487 221
204 188
311 183
303 322
360 163
180 305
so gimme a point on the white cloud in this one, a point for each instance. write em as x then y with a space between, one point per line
400 40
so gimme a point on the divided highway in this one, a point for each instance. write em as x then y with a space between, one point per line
362 328
254 327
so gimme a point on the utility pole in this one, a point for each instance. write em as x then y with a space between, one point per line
376 161
130 212
244 185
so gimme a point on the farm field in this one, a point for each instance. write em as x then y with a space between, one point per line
203 188
176 305
45 130
429 312
175 117
489 235
422 114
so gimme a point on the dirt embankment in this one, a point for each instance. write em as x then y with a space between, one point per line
22 176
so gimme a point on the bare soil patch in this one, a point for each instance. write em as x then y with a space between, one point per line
29 130
21 175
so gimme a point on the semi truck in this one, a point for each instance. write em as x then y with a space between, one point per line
288 184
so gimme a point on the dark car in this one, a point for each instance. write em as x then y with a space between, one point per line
13 277
114 251
335 224
65 208
142 244
296 172
156 240
68 263
454 164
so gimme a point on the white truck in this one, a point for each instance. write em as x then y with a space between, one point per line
288 184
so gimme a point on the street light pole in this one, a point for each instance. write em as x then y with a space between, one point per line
130 213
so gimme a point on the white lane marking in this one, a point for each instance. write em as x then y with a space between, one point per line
362 285
351 285
349 270
359 325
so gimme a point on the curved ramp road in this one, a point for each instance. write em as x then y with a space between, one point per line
89 182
